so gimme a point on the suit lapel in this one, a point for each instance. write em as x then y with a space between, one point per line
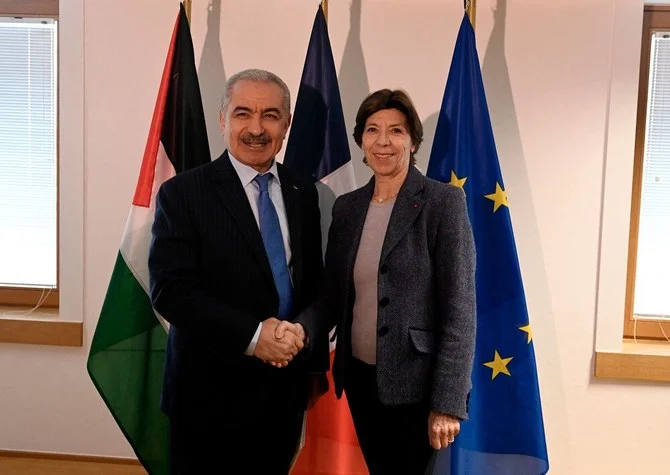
291 195
234 198
406 209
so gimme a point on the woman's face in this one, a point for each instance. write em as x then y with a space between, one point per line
386 143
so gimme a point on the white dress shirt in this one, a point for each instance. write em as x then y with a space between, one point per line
247 175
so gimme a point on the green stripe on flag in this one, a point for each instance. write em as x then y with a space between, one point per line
126 365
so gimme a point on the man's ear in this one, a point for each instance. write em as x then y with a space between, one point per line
288 124
222 122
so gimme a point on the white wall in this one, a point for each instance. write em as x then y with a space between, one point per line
555 104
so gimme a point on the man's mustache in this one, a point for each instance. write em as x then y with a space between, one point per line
251 139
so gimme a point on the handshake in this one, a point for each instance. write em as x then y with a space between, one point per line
279 342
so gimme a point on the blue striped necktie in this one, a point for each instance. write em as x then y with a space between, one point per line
274 246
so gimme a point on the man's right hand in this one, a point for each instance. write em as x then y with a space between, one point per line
273 350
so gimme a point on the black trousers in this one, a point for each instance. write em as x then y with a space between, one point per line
263 444
393 439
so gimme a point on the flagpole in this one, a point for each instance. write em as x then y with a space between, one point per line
471 10
324 6
187 8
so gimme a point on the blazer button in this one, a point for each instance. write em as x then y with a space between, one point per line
383 269
383 331
384 302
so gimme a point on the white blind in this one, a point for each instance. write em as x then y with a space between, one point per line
652 281
28 228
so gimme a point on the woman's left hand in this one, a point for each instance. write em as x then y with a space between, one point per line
442 428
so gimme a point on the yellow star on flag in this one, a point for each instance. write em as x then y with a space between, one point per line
498 365
499 198
527 329
459 182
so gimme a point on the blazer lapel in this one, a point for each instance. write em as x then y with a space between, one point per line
406 209
235 200
356 212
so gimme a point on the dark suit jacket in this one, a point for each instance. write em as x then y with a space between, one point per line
211 280
426 288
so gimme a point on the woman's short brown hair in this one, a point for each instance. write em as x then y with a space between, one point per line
388 99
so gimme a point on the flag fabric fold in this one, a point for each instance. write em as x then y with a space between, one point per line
126 357
318 150
505 431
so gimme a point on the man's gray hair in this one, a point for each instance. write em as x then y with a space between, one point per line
259 75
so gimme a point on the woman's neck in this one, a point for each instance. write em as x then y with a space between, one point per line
387 187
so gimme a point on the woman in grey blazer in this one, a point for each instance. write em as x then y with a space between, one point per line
399 287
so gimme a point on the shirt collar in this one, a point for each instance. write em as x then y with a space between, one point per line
247 173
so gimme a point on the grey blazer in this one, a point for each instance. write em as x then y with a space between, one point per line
426 287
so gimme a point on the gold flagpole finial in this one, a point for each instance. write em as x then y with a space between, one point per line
187 8
471 10
324 5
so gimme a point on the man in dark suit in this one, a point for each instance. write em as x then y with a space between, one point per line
236 249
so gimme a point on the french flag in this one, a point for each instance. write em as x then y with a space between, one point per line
318 149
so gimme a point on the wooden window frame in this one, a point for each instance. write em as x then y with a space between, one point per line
29 8
22 296
656 17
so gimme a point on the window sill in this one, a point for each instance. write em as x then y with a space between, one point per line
41 327
641 361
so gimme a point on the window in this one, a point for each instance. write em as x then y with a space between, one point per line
28 153
648 284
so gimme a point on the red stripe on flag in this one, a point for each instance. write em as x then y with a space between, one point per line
145 181
331 446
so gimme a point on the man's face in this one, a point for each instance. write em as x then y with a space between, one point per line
255 123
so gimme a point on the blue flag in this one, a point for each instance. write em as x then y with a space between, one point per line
505 432
318 147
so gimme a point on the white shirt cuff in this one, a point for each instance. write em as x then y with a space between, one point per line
252 346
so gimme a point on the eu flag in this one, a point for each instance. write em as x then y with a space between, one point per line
505 432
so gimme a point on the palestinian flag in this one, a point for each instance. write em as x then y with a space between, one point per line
128 348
